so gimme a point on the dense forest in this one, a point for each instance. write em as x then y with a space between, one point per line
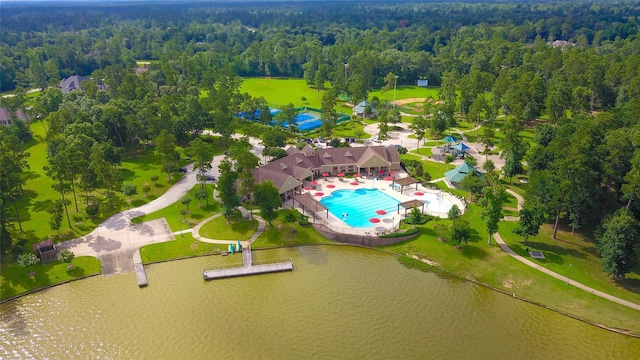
572 69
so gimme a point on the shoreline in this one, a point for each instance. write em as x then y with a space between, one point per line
625 332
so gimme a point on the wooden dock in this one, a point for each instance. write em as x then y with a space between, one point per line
248 267
141 275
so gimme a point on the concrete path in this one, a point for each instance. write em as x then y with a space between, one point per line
530 263
116 239
244 243
565 278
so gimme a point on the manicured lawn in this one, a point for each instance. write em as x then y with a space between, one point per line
578 250
184 245
424 151
511 201
488 264
436 169
15 279
406 92
279 92
236 229
285 233
198 211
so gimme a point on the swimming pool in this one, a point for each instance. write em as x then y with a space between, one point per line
360 205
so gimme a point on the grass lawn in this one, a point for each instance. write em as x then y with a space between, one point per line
511 201
488 264
39 195
436 169
285 233
15 279
424 151
577 250
198 211
184 245
279 92
238 229
406 92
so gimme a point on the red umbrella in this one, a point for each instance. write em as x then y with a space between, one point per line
380 171
418 193
319 193
356 175
374 220
392 173
388 178
340 175
354 183
325 174
381 212
314 183
307 188
331 186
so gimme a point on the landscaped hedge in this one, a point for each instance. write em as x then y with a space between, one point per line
411 231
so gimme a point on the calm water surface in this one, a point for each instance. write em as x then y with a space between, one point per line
338 303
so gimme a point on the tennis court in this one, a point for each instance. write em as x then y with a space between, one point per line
307 119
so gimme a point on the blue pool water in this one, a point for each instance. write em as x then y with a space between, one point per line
360 205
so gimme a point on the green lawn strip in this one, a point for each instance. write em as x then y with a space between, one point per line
576 250
198 211
405 92
184 245
284 233
436 169
424 151
515 185
510 212
236 229
511 201
489 265
15 280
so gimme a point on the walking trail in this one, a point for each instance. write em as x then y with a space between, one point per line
565 278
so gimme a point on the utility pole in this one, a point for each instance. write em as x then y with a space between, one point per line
394 89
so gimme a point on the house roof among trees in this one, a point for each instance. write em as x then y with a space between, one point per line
5 115
72 83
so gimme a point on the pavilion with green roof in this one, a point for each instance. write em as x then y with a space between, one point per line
455 176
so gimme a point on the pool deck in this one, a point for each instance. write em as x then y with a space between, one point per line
391 220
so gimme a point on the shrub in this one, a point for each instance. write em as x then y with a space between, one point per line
304 221
454 212
448 159
402 150
27 259
67 255
93 209
291 215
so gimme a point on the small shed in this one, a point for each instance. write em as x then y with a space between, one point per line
46 251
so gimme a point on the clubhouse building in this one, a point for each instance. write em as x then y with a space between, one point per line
307 164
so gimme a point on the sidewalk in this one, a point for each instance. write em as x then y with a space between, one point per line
527 262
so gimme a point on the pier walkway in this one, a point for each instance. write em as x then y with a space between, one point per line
141 274
249 267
